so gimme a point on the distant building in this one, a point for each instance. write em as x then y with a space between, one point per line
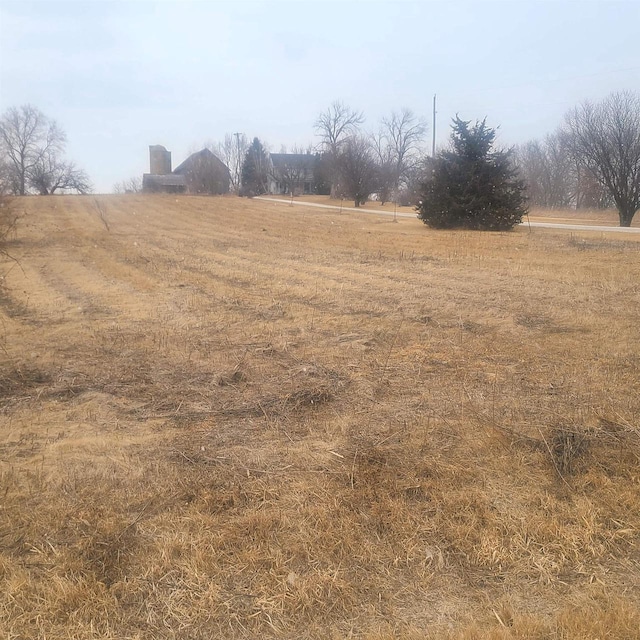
160 160
201 172
293 173
204 172
160 179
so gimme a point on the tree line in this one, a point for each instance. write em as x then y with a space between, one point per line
591 160
351 162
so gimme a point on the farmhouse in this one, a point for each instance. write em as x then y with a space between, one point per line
201 172
293 173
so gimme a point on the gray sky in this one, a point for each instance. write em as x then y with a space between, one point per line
121 75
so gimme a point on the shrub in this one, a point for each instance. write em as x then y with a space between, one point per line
8 221
472 186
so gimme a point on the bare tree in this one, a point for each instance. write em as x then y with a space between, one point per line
31 151
605 140
398 145
358 169
131 185
26 137
336 124
410 192
531 161
404 133
589 193
387 174
548 170
232 152
561 179
555 177
51 174
334 127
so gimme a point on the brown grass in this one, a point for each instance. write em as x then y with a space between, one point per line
590 217
232 418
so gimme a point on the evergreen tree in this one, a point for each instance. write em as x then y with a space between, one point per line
472 186
255 170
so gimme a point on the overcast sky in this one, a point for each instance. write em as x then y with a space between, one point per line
121 75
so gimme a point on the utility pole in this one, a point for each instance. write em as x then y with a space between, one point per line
433 144
237 135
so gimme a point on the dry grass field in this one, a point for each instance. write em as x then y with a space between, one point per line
223 418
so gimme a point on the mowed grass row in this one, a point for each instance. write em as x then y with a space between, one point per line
233 418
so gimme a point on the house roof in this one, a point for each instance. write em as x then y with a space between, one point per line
293 160
203 154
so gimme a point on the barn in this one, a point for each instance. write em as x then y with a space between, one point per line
202 172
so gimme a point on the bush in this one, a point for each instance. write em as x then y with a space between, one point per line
8 221
472 186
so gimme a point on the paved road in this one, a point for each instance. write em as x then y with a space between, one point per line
580 227
331 206
544 225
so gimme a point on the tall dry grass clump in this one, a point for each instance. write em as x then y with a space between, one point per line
8 221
